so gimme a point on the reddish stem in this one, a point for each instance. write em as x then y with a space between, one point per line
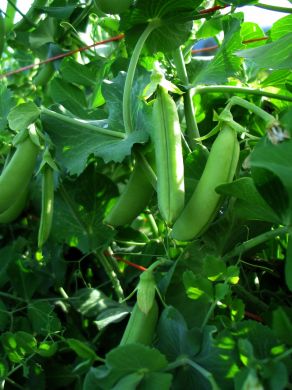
134 265
195 51
213 9
57 57
253 316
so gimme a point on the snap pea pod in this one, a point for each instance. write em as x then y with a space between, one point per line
15 209
141 326
205 201
47 205
133 199
168 155
17 174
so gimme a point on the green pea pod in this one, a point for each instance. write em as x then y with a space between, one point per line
169 158
133 200
47 205
15 209
2 33
146 291
17 174
205 201
141 326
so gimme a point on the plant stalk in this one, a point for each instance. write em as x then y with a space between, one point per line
235 100
127 117
71 121
287 10
111 275
192 127
244 90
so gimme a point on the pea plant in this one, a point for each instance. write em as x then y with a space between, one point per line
145 196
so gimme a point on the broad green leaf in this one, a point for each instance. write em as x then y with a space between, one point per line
42 318
6 103
47 348
79 211
61 12
282 325
90 302
76 73
249 204
196 286
22 279
134 358
278 78
156 381
175 22
288 263
249 31
225 63
281 27
111 315
21 116
81 349
174 338
129 382
75 143
69 95
271 169
275 55
44 33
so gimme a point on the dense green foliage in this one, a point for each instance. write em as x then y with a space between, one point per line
145 197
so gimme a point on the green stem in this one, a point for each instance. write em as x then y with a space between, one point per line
192 127
111 275
287 10
130 76
10 14
246 295
253 242
235 100
283 355
71 121
147 169
244 90
153 225
208 315
13 297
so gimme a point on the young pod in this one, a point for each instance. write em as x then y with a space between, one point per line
15 209
205 201
133 200
17 174
168 155
47 205
141 326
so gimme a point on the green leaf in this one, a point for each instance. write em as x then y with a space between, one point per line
135 357
249 204
278 55
282 326
76 73
174 338
47 348
61 12
22 279
90 302
156 381
281 27
44 33
6 104
75 143
251 30
79 211
129 382
196 286
81 349
175 22
69 95
225 63
42 318
23 115
271 171
288 263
